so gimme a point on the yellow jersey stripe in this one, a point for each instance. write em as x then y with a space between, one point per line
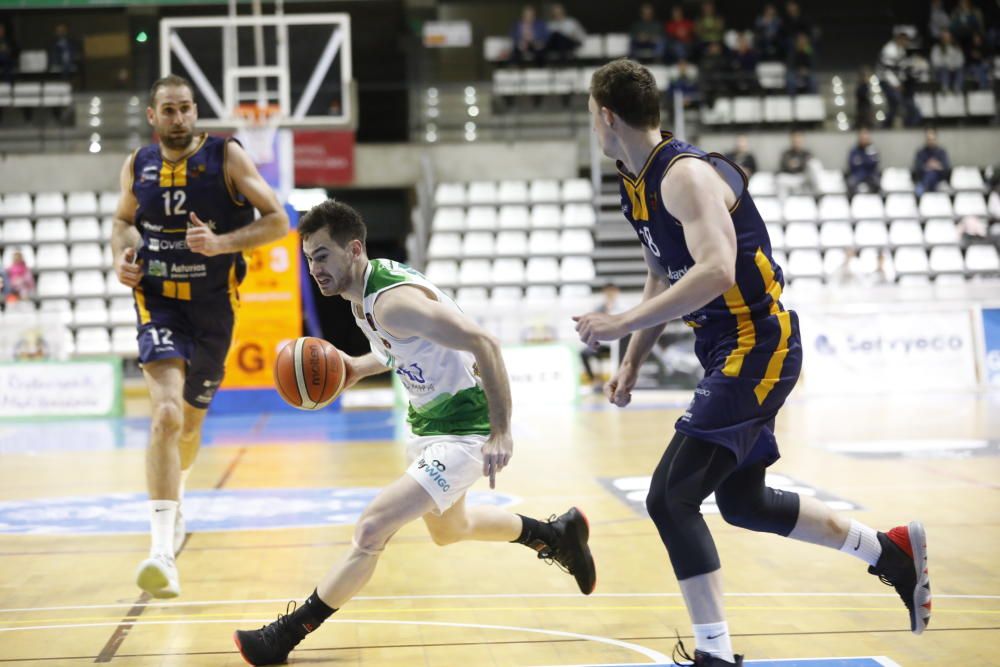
667 138
771 286
181 174
637 195
773 371
140 301
234 303
166 175
746 333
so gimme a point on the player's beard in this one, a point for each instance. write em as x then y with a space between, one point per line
177 142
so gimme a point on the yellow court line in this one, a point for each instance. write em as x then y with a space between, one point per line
424 610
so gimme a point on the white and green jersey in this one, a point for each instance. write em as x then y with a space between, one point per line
443 384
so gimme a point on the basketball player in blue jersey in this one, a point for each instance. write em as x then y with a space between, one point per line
185 217
709 263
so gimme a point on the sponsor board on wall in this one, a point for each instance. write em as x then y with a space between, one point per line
32 389
885 351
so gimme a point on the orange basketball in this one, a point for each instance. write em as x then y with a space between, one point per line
309 373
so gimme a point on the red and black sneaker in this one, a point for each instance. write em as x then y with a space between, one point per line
903 565
570 551
701 658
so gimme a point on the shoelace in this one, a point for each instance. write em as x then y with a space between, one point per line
275 632
889 582
548 554
679 650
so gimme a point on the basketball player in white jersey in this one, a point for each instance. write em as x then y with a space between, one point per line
459 415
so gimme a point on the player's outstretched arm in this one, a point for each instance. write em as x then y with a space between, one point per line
125 238
272 224
361 367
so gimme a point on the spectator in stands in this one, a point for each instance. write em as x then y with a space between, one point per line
745 65
716 72
966 21
863 98
710 27
767 34
798 170
8 55
4 291
948 61
977 63
680 34
529 37
939 20
742 156
610 306
931 165
64 54
863 170
850 272
21 282
799 74
898 80
565 34
646 41
794 25
686 84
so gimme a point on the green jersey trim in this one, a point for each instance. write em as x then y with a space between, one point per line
463 413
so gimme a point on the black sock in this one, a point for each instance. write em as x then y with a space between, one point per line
535 534
312 613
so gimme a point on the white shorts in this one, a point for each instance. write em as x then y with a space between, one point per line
445 465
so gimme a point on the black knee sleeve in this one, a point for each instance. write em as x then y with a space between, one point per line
745 501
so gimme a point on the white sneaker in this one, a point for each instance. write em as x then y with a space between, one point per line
157 575
180 530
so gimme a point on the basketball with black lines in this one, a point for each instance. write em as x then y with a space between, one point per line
309 373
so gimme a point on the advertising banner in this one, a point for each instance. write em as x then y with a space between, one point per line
32 389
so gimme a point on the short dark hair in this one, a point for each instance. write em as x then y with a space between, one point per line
341 222
170 80
628 89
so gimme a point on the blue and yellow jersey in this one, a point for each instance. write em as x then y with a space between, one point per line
167 192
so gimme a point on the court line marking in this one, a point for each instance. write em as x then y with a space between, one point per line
490 596
880 659
655 656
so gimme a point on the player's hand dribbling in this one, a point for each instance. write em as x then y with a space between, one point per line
201 239
127 269
351 376
619 387
497 451
595 327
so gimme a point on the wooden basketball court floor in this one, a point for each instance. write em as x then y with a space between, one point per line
272 499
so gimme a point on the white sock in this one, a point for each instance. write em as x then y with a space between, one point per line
162 514
182 486
862 542
714 638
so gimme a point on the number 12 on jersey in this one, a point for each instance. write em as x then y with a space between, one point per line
178 200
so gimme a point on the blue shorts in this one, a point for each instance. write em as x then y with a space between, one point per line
747 380
199 332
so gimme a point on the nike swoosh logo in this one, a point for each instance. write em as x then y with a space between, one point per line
859 543
715 636
161 510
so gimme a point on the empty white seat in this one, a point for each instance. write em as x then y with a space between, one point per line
720 113
777 235
871 233
477 244
536 81
481 217
769 209
836 234
762 185
448 219
84 229
804 263
925 104
941 231
52 256
107 203
830 182
107 225
543 192
577 269
616 45
546 216
771 75
122 311
935 205
85 256
801 235
544 242
905 232
809 108
949 279
800 208
512 192
81 203
981 103
444 244
472 298
50 230
507 81
780 258
867 207
17 230
896 179
475 272
124 342
87 283
970 203
661 74
579 215
107 258
834 207
449 194
60 309
93 340
778 109
542 270
747 110
982 258
911 260
506 296
16 203
114 286
482 192
508 271
901 205
90 312
945 259
576 242
53 284
442 272
967 178
514 217
577 190
949 105
833 261
914 280
541 297
510 242
49 203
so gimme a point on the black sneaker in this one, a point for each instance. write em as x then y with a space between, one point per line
570 550
272 643
702 659
903 565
